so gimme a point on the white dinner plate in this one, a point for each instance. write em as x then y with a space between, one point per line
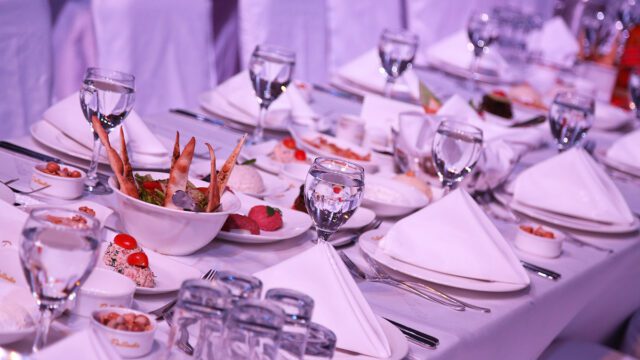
6 194
215 103
294 223
273 185
609 117
102 212
169 274
408 199
10 268
397 342
468 74
53 138
20 296
400 90
369 243
619 166
263 160
360 218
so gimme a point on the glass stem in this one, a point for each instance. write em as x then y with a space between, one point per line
46 316
475 65
323 236
92 173
258 133
388 86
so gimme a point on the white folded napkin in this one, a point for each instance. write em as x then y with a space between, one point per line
339 304
67 117
555 42
11 223
456 50
239 92
572 183
380 115
626 150
367 72
454 236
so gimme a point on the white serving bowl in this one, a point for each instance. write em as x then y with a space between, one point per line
60 187
104 288
128 344
170 231
399 199
538 245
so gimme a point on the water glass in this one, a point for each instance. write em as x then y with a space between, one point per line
634 90
59 249
333 191
298 308
412 143
240 286
570 118
108 96
321 343
456 149
397 49
482 31
270 71
252 331
199 311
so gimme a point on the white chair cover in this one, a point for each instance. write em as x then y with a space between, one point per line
25 64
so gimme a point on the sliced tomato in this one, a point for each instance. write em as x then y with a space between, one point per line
125 241
300 155
289 143
152 185
139 259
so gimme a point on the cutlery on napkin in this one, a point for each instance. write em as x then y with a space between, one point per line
555 43
67 116
454 236
339 304
626 150
572 183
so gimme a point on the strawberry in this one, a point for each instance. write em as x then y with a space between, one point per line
267 217
237 221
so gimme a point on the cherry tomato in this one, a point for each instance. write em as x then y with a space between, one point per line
125 241
300 155
337 189
203 190
289 143
499 93
152 185
139 259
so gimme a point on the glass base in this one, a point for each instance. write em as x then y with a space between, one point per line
98 188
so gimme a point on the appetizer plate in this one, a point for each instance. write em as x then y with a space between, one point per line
296 172
103 213
369 243
360 218
53 138
169 273
6 194
388 197
263 160
19 297
397 342
294 223
273 185
214 102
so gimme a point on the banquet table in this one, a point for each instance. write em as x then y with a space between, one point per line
595 294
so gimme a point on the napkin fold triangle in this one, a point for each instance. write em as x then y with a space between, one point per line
454 236
573 184
555 42
339 304
66 115
626 150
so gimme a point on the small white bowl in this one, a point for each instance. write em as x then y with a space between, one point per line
61 187
170 231
538 245
104 288
128 344
399 199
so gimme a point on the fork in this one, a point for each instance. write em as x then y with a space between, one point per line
162 311
359 273
354 238
382 273
17 191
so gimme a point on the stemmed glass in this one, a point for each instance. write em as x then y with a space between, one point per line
456 150
59 250
270 70
333 191
109 96
397 49
634 90
570 117
482 31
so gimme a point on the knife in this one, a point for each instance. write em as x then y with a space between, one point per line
207 119
338 93
28 152
545 273
533 121
416 335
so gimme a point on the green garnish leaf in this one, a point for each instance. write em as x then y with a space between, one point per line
248 162
272 211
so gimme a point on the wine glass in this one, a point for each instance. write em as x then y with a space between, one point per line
570 117
456 150
397 49
332 192
270 70
482 31
596 30
108 96
59 250
634 90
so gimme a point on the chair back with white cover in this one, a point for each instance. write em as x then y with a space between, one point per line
25 64
166 44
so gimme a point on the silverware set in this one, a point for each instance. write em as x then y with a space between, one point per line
353 239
